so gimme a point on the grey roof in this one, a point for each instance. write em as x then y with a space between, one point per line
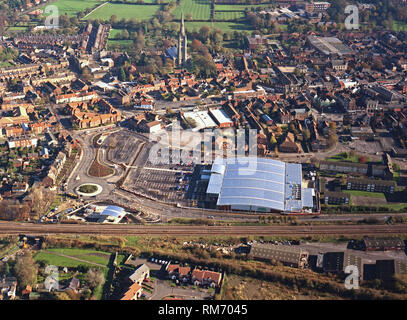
286 254
307 198
138 274
257 182
390 242
293 197
389 183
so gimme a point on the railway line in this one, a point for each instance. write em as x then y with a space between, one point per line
7 228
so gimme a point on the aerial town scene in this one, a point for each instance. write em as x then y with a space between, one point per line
203 150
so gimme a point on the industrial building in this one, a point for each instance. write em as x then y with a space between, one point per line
221 118
199 120
288 255
329 45
259 184
336 262
386 269
394 244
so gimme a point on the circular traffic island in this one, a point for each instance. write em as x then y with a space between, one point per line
89 190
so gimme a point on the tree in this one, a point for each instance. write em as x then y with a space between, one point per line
113 19
122 74
125 34
25 270
204 32
94 278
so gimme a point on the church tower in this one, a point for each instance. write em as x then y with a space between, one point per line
182 43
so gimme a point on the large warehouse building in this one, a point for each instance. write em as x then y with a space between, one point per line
259 184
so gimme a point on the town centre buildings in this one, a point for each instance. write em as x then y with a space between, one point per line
259 184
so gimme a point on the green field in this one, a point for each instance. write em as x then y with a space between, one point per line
125 11
344 156
366 194
114 32
91 256
200 9
399 26
230 15
239 7
72 7
224 26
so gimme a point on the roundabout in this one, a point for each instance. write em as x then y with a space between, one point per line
88 190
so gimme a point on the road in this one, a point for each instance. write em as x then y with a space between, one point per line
9 228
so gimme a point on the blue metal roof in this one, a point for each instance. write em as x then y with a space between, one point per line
257 182
253 181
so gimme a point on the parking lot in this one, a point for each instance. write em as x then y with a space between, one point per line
366 147
122 147
164 182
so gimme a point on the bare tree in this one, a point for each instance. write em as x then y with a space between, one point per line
94 277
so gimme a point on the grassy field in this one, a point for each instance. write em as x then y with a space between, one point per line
124 11
224 26
114 32
72 7
200 9
239 7
229 15
399 26
366 194
91 256
344 156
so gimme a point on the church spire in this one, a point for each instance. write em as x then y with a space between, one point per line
182 27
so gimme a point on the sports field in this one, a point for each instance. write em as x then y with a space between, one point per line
229 15
239 7
224 26
124 11
200 9
72 7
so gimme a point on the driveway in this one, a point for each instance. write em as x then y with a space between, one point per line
163 288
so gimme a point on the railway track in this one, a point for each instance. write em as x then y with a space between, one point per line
38 229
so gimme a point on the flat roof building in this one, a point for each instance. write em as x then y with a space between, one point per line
329 45
288 255
336 262
199 120
258 184
221 118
